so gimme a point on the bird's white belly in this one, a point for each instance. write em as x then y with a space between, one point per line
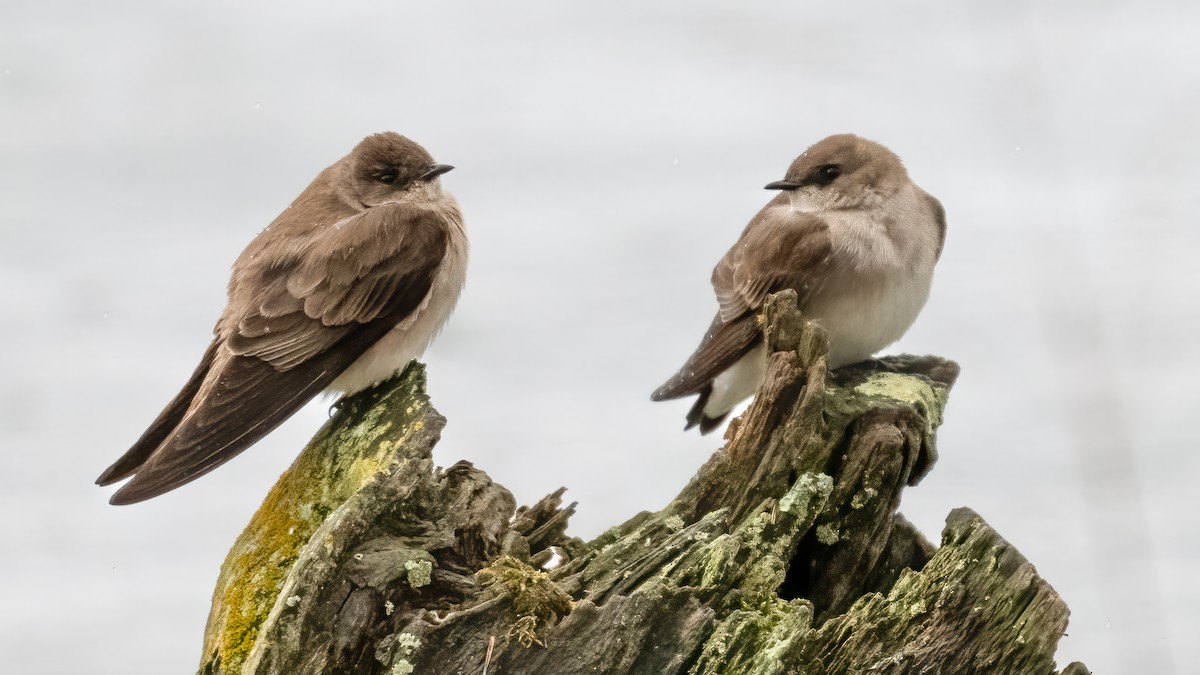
412 336
866 315
880 285
737 382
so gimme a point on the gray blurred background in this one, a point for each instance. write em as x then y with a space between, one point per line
608 155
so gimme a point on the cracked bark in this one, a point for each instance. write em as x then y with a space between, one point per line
784 554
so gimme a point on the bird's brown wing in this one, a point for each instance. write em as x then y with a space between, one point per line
352 274
722 346
346 292
166 422
779 249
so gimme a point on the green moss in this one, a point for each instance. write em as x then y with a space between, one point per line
803 494
753 641
419 572
827 534
913 390
349 451
753 557
524 631
406 645
536 600
774 533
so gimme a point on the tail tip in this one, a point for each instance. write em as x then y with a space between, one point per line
108 477
663 393
126 496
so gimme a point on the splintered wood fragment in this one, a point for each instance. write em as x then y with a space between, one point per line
784 554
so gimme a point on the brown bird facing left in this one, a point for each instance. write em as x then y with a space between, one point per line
852 235
345 287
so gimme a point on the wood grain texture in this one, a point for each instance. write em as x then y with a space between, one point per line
784 554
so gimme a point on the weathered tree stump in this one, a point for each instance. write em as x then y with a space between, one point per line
784 554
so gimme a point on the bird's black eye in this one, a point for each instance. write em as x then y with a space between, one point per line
387 177
824 174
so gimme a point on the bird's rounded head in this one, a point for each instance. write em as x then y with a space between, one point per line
843 171
385 165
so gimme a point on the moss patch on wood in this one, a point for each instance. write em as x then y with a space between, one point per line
784 554
354 447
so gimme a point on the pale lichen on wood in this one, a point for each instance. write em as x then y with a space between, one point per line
784 554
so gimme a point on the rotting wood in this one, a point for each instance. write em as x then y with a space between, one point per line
784 554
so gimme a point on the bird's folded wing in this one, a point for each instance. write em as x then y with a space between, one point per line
722 346
779 249
356 272
272 362
162 427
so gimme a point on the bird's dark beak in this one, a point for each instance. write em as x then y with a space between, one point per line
435 170
782 185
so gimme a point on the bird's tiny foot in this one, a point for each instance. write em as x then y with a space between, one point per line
336 406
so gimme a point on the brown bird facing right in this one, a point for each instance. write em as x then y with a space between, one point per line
351 282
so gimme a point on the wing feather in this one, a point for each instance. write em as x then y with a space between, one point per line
267 361
167 420
722 346
779 249
342 292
